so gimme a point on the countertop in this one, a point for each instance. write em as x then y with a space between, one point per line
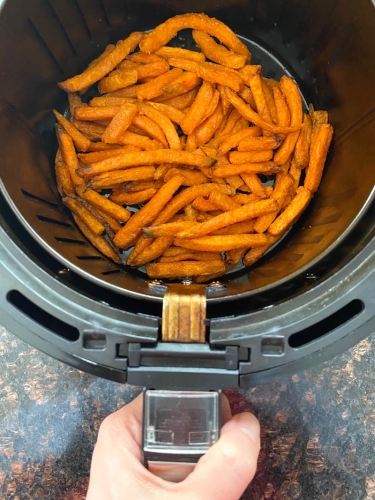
318 427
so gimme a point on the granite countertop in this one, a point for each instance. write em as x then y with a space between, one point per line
318 427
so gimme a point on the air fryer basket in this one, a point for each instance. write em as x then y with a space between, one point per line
61 295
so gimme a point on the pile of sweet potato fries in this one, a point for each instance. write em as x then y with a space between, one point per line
178 142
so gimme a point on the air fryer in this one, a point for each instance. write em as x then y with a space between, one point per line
309 298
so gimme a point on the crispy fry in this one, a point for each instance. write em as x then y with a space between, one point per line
147 213
222 201
97 241
286 149
231 141
92 114
218 53
106 205
207 129
112 222
118 79
166 31
151 70
73 203
302 150
89 158
254 117
245 227
93 131
132 139
104 66
108 101
168 229
256 87
155 250
291 213
295 173
204 205
128 92
79 139
260 143
154 88
293 98
120 122
279 194
210 72
108 50
183 101
110 180
151 128
318 154
133 198
268 95
250 70
184 83
174 114
196 113
250 156
234 181
233 257
181 269
163 122
222 243
64 181
247 96
162 170
69 155
255 254
146 158
190 213
168 52
282 110
191 177
189 255
246 212
74 102
96 147
244 199
266 168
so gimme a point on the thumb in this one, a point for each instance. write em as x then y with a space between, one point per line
224 472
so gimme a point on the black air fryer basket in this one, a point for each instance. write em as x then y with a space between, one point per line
308 299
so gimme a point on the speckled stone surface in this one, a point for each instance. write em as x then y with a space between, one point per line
318 427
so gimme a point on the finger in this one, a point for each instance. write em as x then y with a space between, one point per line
228 466
226 413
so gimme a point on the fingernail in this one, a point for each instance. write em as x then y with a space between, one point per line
250 426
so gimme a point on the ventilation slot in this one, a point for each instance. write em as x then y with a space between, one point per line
327 325
112 271
89 257
69 240
94 341
43 318
40 39
41 200
54 221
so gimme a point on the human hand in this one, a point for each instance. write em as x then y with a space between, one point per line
223 473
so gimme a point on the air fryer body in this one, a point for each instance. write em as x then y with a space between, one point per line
308 299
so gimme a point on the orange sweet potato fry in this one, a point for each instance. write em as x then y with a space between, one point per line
247 96
266 168
153 89
148 213
69 155
90 113
104 66
218 53
191 177
295 172
254 117
282 110
153 69
93 131
168 229
133 198
256 87
74 102
255 254
174 114
133 139
186 254
183 101
291 213
75 206
107 206
302 150
120 122
96 147
63 179
260 143
79 139
222 243
207 129
197 111
222 201
268 95
151 128
254 184
181 269
118 79
112 222
168 52
250 156
245 227
105 101
318 154
163 33
232 141
110 180
184 83
94 157
204 205
163 122
240 214
155 250
293 99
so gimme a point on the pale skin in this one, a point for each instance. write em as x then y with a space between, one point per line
117 472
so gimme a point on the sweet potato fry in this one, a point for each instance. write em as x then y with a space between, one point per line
89 158
153 69
74 102
282 110
245 227
218 53
118 79
108 50
192 177
254 117
256 87
108 101
207 129
73 203
233 257
255 254
291 213
107 206
151 128
283 154
97 241
295 172
146 158
155 250
197 111
181 269
250 156
110 180
246 212
92 114
133 198
154 88
148 213
168 229
79 139
186 254
302 150
234 181
252 181
93 131
318 154
132 139
260 143
279 194
162 170
163 33
232 141
210 72
184 83
168 52
69 155
104 66
163 122
222 201
244 199
128 92
64 181
120 122
222 243
183 101
96 147
204 205
174 114
266 168
247 96
268 95
111 221
250 70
